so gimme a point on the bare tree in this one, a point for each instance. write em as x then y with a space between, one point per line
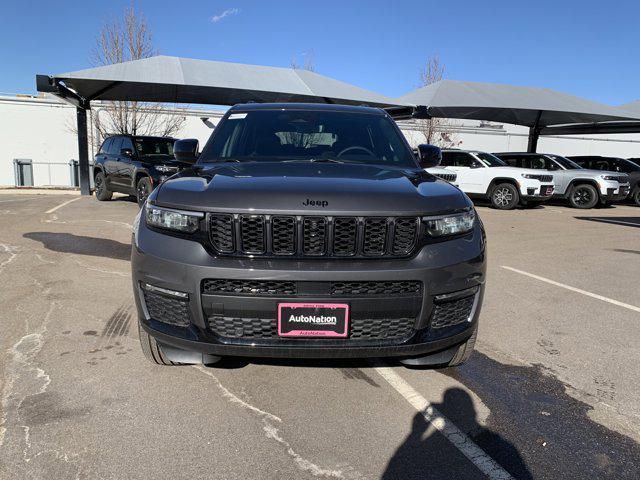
308 63
124 40
435 129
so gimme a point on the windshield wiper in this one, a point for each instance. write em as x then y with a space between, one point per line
325 160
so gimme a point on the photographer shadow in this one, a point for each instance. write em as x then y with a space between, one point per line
427 453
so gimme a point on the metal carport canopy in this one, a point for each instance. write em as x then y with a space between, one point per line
536 108
185 80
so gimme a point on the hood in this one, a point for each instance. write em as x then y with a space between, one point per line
309 188
518 171
587 173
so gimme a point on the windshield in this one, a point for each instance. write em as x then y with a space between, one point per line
490 160
154 146
624 165
565 162
313 136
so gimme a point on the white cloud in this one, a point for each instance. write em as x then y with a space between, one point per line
227 13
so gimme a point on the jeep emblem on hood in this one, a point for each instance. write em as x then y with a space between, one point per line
315 203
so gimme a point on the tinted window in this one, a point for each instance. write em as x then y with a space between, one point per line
276 135
490 160
154 146
114 148
623 165
511 161
126 143
457 159
105 145
565 162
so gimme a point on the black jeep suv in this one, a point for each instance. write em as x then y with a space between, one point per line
134 165
308 231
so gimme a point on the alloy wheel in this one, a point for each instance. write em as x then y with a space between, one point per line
582 196
503 197
143 192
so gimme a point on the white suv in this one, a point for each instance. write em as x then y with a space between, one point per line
483 175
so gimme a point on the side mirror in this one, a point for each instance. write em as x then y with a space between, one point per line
126 152
429 155
186 150
475 164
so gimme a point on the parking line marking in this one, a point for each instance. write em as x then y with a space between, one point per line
51 210
457 437
574 289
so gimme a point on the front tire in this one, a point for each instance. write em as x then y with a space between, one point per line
504 196
102 192
151 349
583 196
464 350
635 196
143 189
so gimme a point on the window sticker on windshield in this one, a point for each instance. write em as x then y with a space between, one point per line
235 116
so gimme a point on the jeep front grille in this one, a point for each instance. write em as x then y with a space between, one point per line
312 236
448 177
621 179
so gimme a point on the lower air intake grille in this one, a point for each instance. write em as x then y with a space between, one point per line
166 309
453 312
375 288
248 287
256 288
266 328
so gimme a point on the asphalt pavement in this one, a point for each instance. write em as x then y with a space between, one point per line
551 392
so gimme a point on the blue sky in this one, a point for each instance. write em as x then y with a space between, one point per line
585 48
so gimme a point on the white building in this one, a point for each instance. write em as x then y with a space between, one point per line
39 143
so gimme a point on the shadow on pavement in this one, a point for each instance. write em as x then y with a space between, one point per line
623 221
81 245
430 456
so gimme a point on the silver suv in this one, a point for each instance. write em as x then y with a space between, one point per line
581 187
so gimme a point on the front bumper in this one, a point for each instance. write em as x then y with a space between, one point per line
538 194
614 192
177 264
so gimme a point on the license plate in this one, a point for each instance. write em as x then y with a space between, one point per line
548 191
313 320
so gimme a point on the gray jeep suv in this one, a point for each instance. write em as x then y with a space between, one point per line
307 231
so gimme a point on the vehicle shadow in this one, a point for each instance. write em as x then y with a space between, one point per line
622 221
426 451
81 245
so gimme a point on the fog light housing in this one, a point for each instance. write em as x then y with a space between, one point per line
165 291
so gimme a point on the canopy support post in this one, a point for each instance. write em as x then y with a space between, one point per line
83 151
534 134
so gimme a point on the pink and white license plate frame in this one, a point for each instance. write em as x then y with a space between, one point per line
331 331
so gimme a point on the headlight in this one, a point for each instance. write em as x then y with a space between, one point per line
530 176
177 220
611 178
166 169
449 224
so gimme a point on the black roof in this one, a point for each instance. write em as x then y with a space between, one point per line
524 153
321 107
138 136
